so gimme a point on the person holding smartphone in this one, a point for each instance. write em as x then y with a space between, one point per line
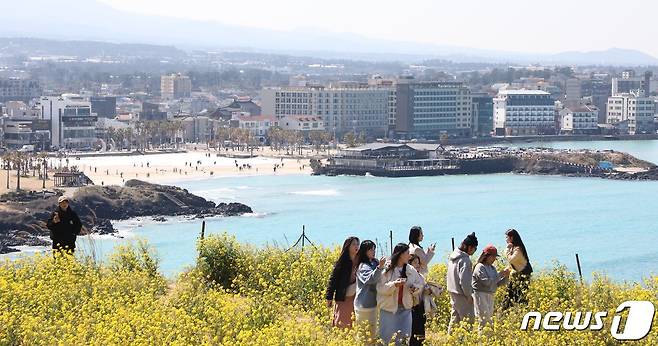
396 289
64 225
425 256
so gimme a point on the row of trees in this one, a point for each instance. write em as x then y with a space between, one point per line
279 139
145 134
242 138
293 140
23 163
289 140
148 134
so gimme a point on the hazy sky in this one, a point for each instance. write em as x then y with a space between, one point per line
515 25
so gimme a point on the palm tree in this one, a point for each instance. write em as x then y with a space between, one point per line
119 138
109 135
129 134
6 160
19 160
145 137
43 156
139 129
175 127
166 128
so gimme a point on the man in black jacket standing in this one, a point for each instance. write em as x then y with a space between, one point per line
64 225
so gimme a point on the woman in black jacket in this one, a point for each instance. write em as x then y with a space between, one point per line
342 284
64 225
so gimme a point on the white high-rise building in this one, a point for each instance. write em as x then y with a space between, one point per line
343 109
72 124
632 113
524 112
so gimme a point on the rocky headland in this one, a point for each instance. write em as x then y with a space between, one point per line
23 215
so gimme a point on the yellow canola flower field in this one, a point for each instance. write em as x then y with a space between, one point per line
241 295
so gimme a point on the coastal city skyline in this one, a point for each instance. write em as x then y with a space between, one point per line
340 173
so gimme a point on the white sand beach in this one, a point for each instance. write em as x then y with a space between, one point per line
167 168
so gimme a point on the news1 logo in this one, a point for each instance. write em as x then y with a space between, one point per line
637 326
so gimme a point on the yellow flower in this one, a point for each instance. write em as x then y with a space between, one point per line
241 295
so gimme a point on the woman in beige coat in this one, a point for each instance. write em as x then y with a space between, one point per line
396 289
519 265
425 256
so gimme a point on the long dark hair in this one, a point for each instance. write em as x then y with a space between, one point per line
414 235
516 241
395 257
362 255
344 259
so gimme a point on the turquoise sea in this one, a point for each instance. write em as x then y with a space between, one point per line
610 224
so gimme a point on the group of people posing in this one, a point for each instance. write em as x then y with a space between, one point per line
392 297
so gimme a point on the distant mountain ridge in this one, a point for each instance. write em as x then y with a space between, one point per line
85 49
96 21
606 57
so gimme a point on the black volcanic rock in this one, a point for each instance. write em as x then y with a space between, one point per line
13 238
233 209
139 198
103 226
22 221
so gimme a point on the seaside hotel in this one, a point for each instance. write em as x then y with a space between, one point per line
524 112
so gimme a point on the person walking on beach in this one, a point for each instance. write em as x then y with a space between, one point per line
424 256
64 225
395 296
342 284
459 276
486 279
520 267
369 271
